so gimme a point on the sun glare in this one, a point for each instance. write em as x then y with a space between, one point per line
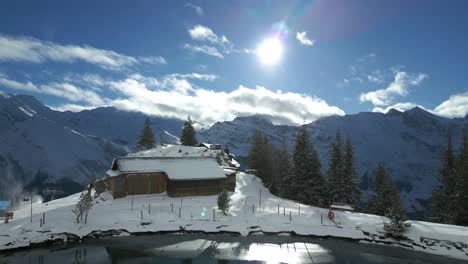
269 51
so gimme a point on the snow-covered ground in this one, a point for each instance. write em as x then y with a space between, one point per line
253 211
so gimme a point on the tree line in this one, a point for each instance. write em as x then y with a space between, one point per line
449 199
299 177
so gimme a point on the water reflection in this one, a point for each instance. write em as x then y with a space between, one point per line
219 249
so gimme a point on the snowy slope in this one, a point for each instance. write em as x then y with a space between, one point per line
119 218
410 143
36 148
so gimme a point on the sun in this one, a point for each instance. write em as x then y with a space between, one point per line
269 51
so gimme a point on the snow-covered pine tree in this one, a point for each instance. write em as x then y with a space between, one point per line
146 139
335 184
352 192
189 136
444 197
397 224
223 202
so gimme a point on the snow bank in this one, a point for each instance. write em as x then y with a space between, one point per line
253 210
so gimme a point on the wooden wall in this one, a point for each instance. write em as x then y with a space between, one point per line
145 183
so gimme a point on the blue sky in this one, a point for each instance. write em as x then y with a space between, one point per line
175 58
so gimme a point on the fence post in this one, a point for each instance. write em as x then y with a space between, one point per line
278 209
40 222
284 210
299 209
172 208
141 217
43 218
253 208
214 216
149 208
180 211
290 216
132 202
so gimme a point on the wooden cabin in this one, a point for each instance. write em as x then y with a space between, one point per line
178 176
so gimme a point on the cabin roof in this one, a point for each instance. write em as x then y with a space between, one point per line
187 168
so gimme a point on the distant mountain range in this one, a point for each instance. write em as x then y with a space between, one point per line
41 147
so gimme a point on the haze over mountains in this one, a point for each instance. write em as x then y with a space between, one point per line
40 146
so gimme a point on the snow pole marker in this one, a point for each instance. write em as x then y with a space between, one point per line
149 208
40 223
31 207
172 208
131 207
299 209
180 211
214 217
253 208
290 216
141 217
43 218
284 210
278 209
260 201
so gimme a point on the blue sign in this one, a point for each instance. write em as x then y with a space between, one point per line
4 205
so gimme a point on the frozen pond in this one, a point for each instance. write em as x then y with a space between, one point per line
219 249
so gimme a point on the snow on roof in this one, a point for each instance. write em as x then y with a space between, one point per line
175 168
176 151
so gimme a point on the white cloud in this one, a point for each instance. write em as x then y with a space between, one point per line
202 33
455 106
197 9
32 50
212 51
303 39
63 90
153 60
399 87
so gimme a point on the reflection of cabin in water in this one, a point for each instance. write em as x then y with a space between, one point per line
177 170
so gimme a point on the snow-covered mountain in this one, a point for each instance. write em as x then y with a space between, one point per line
410 143
40 147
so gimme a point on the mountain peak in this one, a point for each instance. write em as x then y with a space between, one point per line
418 111
253 119
394 112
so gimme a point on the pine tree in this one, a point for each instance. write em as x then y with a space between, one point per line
335 170
256 142
281 171
146 139
188 137
307 181
444 197
386 195
223 202
351 194
462 185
